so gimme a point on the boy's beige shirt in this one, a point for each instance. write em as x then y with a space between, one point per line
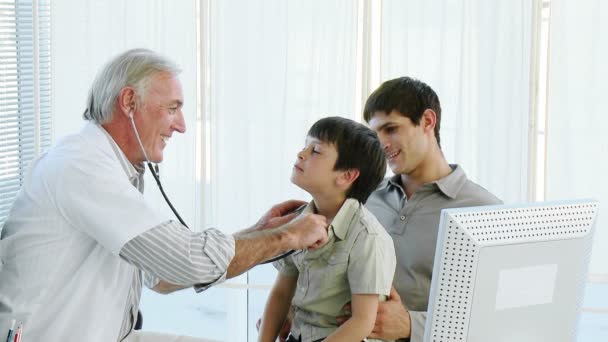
359 258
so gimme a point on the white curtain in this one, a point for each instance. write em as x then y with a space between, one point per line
577 145
476 55
275 67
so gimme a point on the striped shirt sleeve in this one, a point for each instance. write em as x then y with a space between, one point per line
179 256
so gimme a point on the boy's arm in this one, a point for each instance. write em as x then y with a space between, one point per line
277 307
361 323
394 321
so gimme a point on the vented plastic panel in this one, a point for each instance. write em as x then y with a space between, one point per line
527 224
455 281
468 231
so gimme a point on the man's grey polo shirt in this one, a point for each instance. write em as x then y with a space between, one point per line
359 258
413 224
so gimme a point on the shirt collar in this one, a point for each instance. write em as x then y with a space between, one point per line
339 225
131 170
394 181
449 185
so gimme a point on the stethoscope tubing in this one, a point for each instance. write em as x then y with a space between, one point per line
162 191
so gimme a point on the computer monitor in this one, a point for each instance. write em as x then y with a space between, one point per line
510 273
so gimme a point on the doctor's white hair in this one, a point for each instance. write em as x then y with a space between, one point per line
133 68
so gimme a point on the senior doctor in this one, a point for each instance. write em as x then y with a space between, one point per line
80 239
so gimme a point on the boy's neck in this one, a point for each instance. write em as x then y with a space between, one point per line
328 205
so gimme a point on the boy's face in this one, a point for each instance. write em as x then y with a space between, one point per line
405 144
314 168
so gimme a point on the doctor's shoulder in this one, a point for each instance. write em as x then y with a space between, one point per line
75 160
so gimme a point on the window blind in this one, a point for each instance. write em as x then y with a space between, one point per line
25 92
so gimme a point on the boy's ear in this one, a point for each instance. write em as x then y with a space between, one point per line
348 177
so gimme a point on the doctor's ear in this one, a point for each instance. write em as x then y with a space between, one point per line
127 100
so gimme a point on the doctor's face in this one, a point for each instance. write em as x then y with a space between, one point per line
160 114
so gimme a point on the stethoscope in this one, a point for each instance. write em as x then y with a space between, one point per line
154 171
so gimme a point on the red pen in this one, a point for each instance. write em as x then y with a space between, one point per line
18 333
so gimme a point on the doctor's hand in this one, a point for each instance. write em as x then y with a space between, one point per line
279 215
392 319
308 231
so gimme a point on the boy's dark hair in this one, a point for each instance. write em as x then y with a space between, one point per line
407 95
358 148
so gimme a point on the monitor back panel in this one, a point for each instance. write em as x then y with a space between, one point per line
510 273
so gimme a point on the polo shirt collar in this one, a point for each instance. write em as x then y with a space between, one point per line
394 181
449 185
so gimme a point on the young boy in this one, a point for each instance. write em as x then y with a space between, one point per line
341 164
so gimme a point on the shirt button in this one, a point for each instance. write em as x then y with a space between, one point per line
402 217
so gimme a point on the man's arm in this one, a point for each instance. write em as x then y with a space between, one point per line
361 323
256 245
165 287
181 258
251 248
277 307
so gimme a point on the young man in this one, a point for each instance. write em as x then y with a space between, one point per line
340 165
406 115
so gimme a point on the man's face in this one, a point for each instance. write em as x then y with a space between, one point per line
404 143
314 167
160 115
